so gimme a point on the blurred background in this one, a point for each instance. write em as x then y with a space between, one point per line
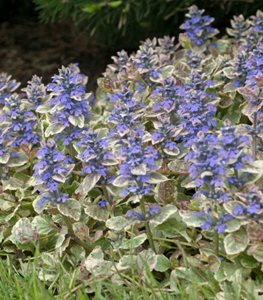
38 36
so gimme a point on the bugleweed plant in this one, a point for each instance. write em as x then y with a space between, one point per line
155 181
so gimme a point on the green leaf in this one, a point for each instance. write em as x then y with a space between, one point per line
134 242
120 181
23 232
190 218
81 231
49 259
140 170
236 242
210 67
146 258
178 166
43 224
229 72
167 71
233 225
18 160
126 262
96 264
173 227
110 162
165 213
157 178
38 204
12 184
6 204
188 183
257 252
77 121
93 7
118 223
181 274
96 212
4 158
71 208
229 88
115 3
173 152
249 262
163 263
222 46
54 129
88 183
44 108
61 236
227 271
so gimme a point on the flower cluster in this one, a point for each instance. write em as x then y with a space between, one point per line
35 92
7 86
137 215
257 22
51 170
240 69
126 112
239 27
167 45
167 97
252 203
173 141
165 135
138 161
194 59
3 150
216 160
68 104
146 61
254 66
210 222
94 154
196 110
120 61
198 27
19 123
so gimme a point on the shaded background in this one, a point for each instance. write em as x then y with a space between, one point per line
37 37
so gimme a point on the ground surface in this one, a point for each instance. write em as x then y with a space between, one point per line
33 48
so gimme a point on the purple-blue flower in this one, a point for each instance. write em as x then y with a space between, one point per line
18 123
95 155
138 161
102 203
69 100
7 86
252 203
197 27
35 92
210 222
51 170
216 159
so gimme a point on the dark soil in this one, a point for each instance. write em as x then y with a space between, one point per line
33 48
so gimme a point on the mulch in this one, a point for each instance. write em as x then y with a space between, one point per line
34 48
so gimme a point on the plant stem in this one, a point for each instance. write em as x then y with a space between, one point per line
216 243
86 245
254 142
147 226
216 237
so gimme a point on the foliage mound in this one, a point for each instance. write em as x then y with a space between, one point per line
154 181
126 22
